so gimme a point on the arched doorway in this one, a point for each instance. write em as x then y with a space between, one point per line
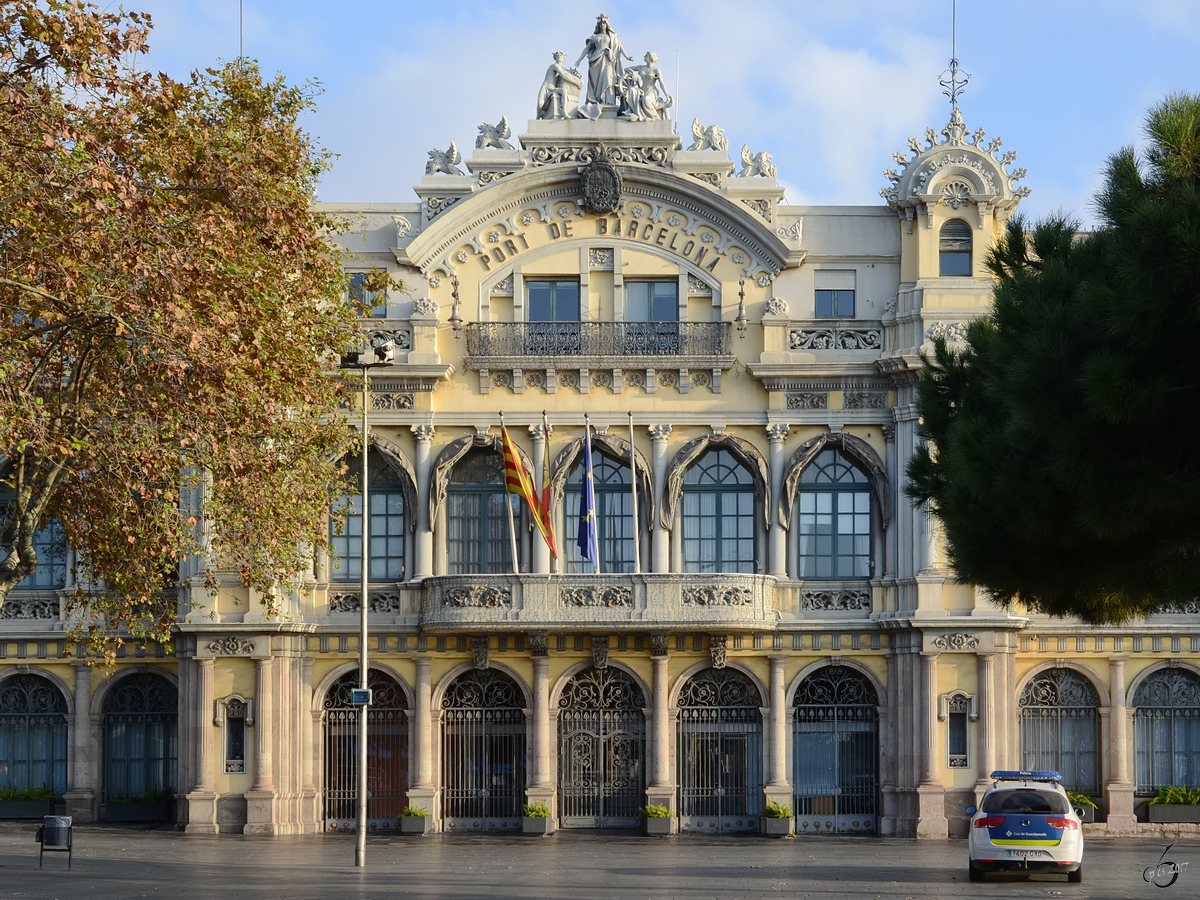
141 740
720 736
1166 730
483 753
387 753
601 750
835 752
1060 728
33 736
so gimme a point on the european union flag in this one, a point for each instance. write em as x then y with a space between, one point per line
588 538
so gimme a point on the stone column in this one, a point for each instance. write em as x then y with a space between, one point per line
202 799
778 788
541 782
81 795
660 538
777 542
423 792
541 552
310 815
661 790
931 794
260 799
423 563
986 729
1120 787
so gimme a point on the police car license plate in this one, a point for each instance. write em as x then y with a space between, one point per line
1027 854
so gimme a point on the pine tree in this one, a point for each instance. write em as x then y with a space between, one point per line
1063 452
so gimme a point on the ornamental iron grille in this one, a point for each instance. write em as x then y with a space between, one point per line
33 735
700 341
719 531
387 753
477 539
1166 730
388 524
614 511
601 750
958 709
834 515
835 752
1060 728
483 753
141 740
720 743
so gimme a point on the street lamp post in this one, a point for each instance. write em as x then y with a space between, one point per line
378 353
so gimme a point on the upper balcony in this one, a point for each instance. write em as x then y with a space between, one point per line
468 602
611 355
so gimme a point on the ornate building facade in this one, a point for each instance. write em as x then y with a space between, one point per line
789 631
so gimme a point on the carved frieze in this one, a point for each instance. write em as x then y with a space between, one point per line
762 207
545 156
477 596
435 206
610 596
697 287
835 337
837 599
808 400
957 640
231 646
601 258
29 608
713 595
377 602
392 401
503 288
952 332
864 400
423 306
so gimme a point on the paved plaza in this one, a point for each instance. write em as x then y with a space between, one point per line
128 863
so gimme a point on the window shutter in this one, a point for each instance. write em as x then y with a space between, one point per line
834 279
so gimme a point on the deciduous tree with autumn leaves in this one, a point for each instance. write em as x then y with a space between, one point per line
169 306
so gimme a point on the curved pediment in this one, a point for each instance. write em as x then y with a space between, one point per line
675 213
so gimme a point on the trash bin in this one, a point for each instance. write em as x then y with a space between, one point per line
55 836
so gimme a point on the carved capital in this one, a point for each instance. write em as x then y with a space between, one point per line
889 433
658 643
776 432
423 433
659 432
539 643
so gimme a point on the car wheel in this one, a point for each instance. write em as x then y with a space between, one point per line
974 873
1077 876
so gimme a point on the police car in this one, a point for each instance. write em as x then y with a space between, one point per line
1025 823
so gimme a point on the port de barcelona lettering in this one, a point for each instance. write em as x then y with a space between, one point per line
697 248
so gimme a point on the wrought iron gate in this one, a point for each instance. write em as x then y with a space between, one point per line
1166 730
1060 728
835 752
141 739
601 750
720 752
387 754
483 753
33 735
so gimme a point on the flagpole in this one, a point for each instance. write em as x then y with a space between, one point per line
587 440
545 479
512 527
637 556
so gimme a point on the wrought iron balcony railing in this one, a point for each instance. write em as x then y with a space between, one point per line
673 340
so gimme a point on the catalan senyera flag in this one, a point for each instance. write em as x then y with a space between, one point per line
518 481
545 523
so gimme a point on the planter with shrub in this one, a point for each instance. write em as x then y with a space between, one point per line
415 820
776 820
658 819
1175 805
1085 803
31 804
535 819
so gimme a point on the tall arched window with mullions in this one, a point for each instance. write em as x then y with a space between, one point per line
477 540
614 514
833 522
718 515
388 523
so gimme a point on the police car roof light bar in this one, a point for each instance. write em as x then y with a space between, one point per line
1011 775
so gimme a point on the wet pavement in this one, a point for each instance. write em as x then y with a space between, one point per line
114 862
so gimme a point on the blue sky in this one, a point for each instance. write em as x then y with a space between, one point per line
830 89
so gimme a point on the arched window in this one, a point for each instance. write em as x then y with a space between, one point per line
1060 728
718 515
1166 730
388 524
834 519
614 513
954 248
33 736
477 539
140 740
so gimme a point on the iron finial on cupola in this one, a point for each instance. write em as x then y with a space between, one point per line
954 80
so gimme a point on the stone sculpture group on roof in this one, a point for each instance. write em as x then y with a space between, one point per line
636 93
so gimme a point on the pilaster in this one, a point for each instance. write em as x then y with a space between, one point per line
423 563
931 793
661 791
778 788
260 799
80 796
1119 790
202 799
777 541
423 792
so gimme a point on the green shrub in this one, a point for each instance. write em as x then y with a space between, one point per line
1080 799
535 811
37 793
414 811
777 811
1177 796
656 811
148 797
